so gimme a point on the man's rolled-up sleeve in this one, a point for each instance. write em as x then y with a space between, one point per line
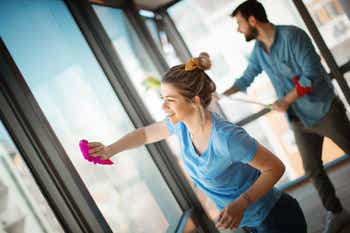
306 57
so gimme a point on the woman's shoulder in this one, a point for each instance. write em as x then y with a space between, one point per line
223 126
227 131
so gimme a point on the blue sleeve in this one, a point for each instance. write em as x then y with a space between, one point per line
241 146
250 73
171 127
306 57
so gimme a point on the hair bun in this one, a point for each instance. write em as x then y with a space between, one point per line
204 62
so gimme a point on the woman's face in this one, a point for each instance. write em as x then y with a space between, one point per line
175 105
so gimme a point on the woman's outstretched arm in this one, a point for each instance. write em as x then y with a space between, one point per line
145 135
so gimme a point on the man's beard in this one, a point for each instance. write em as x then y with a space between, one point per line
252 34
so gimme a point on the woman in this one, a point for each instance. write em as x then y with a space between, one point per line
232 168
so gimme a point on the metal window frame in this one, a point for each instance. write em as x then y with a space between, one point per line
161 154
345 67
174 35
56 177
167 5
111 3
336 71
146 38
183 221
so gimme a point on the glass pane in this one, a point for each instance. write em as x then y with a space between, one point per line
163 43
79 102
334 26
136 61
23 208
214 31
341 95
133 55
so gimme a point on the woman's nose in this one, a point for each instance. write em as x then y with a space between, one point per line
164 106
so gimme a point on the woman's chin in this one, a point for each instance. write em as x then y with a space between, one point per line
173 120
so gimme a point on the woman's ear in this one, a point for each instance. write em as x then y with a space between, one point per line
197 100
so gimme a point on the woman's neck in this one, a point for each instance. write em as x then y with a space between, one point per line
199 125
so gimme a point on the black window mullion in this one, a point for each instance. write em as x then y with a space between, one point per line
326 53
174 36
345 68
146 38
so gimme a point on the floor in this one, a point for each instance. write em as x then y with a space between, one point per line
306 194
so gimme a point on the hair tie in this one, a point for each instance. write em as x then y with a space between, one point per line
191 64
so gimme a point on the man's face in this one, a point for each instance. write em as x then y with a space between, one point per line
250 32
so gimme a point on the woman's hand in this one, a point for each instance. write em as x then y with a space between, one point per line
98 149
231 216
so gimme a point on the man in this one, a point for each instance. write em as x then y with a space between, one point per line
305 93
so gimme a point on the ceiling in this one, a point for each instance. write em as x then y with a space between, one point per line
140 4
152 4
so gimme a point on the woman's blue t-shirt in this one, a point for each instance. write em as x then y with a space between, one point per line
222 170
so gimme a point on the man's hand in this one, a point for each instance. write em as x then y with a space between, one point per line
231 216
280 105
283 104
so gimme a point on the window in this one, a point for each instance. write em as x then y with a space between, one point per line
132 54
334 27
162 41
22 206
230 52
78 101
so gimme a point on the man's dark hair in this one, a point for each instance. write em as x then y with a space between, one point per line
251 8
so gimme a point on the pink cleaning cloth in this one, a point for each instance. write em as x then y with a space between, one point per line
84 148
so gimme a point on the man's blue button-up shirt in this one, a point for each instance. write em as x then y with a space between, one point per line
292 54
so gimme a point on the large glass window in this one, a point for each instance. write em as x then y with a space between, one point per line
22 206
334 26
156 28
133 55
78 101
136 61
214 31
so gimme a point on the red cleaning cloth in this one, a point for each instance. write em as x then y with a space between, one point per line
300 89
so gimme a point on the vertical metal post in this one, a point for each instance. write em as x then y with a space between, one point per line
326 53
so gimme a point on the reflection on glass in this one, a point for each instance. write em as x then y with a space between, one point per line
79 102
214 31
132 54
334 26
164 45
23 208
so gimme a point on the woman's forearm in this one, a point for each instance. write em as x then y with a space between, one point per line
271 170
132 140
262 185
149 134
